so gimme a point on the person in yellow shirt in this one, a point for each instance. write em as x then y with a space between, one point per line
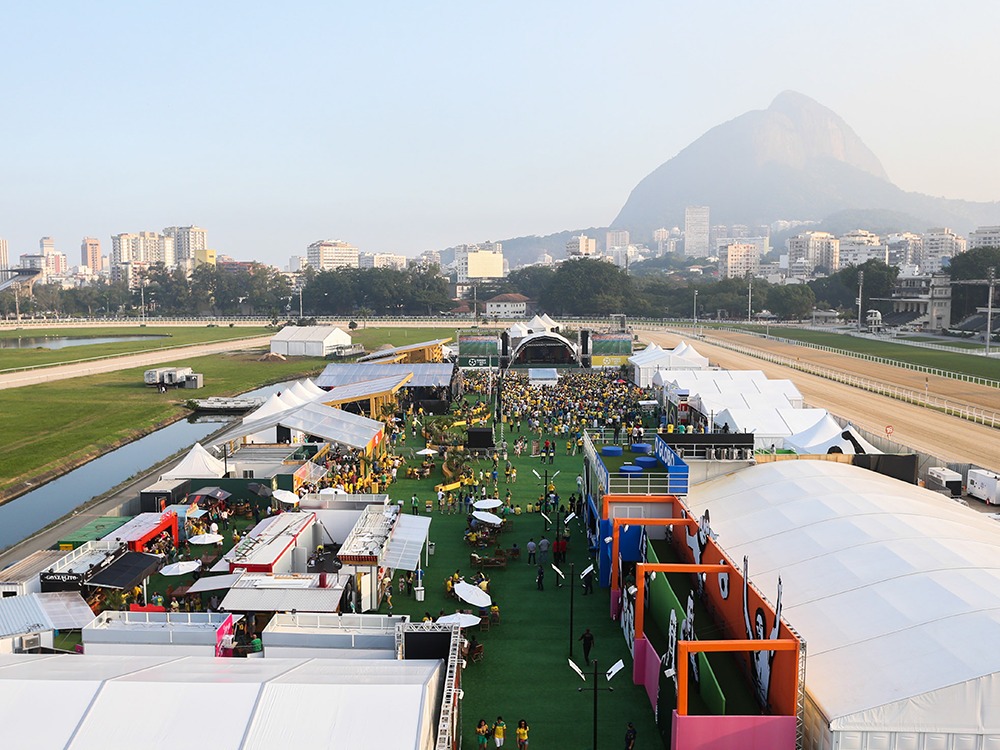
499 730
521 734
482 732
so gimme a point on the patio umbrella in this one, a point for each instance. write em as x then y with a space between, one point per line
488 504
472 594
332 491
261 490
459 618
286 497
485 517
209 493
427 452
180 568
205 538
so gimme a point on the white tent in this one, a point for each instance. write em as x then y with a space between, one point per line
197 464
890 585
651 360
320 420
827 436
308 341
769 425
517 331
536 325
271 702
549 322
311 387
687 351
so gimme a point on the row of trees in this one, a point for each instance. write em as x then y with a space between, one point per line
583 287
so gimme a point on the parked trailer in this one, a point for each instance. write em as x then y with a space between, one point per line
942 478
984 485
154 376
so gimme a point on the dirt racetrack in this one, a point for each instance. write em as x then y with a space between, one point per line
927 431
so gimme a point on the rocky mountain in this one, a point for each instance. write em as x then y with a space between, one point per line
794 160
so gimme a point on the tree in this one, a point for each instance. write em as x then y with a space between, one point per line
791 302
589 287
532 281
972 264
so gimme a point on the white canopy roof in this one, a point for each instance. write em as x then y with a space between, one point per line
273 405
274 702
517 331
549 322
892 586
311 333
197 464
536 324
409 534
36 613
326 422
768 424
827 434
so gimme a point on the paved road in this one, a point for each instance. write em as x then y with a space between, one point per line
927 431
148 359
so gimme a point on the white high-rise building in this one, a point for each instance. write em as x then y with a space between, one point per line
56 263
739 259
382 260
326 255
984 237
296 263
905 248
4 254
815 250
144 248
616 238
188 241
860 246
940 245
581 247
696 232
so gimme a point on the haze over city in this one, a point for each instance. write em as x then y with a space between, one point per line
408 128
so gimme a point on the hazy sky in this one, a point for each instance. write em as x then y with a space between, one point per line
407 126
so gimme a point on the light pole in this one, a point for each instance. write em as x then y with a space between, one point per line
300 303
610 673
749 297
861 296
694 310
991 278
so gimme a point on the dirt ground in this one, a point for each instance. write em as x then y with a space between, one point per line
949 438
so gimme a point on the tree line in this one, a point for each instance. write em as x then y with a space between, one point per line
580 287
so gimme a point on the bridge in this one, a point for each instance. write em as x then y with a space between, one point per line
9 276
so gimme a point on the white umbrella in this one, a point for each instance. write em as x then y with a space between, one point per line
286 497
459 618
427 452
332 491
488 504
486 517
205 539
180 568
472 594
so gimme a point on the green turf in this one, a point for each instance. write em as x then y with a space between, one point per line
54 426
954 343
173 336
373 337
952 361
525 673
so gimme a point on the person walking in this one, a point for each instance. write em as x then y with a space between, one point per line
499 731
482 732
543 550
630 737
521 734
588 644
532 547
540 578
413 504
588 582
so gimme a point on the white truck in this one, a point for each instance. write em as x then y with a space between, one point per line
984 485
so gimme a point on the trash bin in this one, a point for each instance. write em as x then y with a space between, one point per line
430 548
419 591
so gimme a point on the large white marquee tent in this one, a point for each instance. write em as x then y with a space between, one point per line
97 702
894 589
652 359
308 341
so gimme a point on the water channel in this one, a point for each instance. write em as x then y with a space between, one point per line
61 342
37 509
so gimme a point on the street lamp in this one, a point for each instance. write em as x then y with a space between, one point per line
615 669
694 310
300 302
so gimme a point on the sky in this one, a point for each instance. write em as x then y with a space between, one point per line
402 127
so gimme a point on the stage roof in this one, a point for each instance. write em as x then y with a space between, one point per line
425 375
402 350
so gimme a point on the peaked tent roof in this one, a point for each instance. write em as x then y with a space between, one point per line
827 434
273 405
197 464
306 333
518 330
327 422
548 321
886 582
311 387
536 324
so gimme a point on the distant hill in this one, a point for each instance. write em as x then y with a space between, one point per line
519 251
794 160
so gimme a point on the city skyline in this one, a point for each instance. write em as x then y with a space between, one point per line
421 128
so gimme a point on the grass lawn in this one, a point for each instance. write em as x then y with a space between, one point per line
524 673
955 362
52 427
172 337
954 343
